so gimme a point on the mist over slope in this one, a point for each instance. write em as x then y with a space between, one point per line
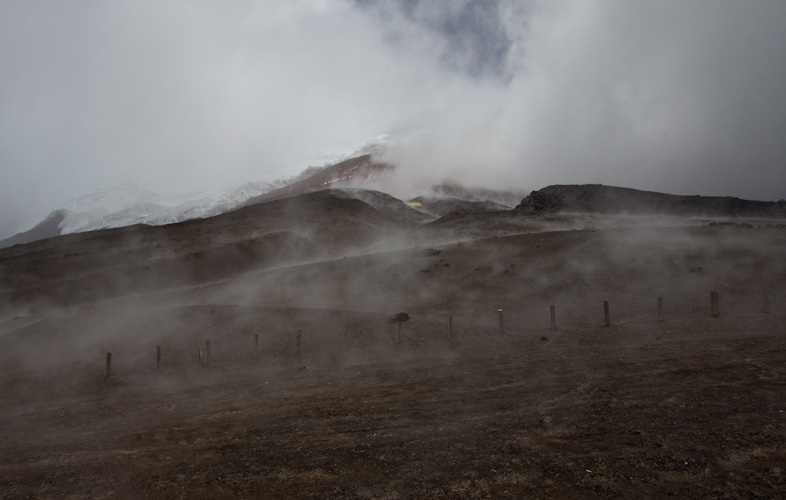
100 264
597 342
314 227
265 332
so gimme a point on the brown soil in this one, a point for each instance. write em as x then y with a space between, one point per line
692 406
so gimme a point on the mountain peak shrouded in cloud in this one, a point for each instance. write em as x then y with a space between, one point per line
136 203
133 204
679 97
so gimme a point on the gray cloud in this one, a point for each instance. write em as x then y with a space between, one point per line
467 34
190 95
684 97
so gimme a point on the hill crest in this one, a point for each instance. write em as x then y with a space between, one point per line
597 198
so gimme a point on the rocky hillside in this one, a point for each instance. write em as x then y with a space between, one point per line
596 198
48 228
356 171
101 264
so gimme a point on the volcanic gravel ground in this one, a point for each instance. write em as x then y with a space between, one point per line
596 413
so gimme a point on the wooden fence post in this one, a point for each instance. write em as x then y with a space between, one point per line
501 324
714 309
553 311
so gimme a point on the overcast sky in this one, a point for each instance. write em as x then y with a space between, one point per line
680 96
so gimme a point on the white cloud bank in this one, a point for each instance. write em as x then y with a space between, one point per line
684 97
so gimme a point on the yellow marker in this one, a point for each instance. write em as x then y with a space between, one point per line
200 354
414 204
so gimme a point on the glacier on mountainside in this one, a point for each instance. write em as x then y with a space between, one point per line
131 204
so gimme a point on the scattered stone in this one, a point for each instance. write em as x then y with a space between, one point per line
544 339
695 269
399 318
428 252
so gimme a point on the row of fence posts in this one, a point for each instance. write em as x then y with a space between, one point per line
204 356
714 312
553 317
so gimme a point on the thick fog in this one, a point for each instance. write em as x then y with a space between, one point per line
683 97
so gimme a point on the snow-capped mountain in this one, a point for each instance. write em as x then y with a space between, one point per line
377 146
134 204
140 204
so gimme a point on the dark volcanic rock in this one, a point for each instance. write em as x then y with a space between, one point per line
48 228
596 198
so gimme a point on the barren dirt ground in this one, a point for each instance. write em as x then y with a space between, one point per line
693 406
595 413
